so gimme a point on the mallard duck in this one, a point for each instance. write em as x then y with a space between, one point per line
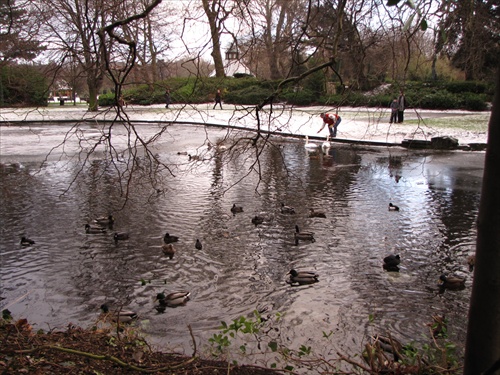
235 209
194 157
27 241
89 229
168 250
303 277
120 236
393 207
287 209
169 239
303 236
452 282
309 145
313 213
471 261
256 220
105 220
122 316
171 300
198 245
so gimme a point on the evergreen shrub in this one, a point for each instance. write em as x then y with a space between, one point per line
251 95
302 97
23 85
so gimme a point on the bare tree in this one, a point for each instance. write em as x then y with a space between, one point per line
217 11
73 29
153 35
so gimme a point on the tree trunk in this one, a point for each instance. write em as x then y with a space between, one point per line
483 331
93 92
215 35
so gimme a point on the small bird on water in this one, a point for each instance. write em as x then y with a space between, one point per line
198 244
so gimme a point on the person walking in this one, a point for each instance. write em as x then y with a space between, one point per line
218 99
333 121
394 111
401 106
167 98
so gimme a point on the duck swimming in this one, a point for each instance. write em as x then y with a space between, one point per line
194 157
89 229
287 209
256 220
391 263
171 300
303 236
235 209
169 239
105 220
27 241
452 282
313 213
120 236
168 250
198 245
121 316
392 260
393 207
302 277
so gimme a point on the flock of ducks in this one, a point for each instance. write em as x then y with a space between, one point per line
295 277
100 225
174 299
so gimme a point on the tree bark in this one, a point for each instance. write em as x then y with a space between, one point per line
212 15
483 331
93 93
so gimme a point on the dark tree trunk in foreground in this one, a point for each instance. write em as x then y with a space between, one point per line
483 332
211 11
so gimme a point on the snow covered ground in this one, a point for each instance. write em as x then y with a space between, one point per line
368 124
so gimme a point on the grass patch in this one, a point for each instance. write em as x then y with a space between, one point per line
475 123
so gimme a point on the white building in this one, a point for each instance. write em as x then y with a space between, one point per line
232 63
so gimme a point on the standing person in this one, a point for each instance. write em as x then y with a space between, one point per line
167 98
333 121
218 99
394 111
401 106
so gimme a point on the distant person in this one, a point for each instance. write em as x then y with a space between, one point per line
401 106
333 121
167 98
218 99
394 111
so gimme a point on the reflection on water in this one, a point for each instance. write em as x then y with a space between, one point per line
68 274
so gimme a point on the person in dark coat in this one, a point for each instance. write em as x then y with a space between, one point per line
394 111
218 99
167 98
401 106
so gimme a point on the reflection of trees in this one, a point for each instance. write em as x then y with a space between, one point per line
456 205
331 174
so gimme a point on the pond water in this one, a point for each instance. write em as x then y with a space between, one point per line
68 274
